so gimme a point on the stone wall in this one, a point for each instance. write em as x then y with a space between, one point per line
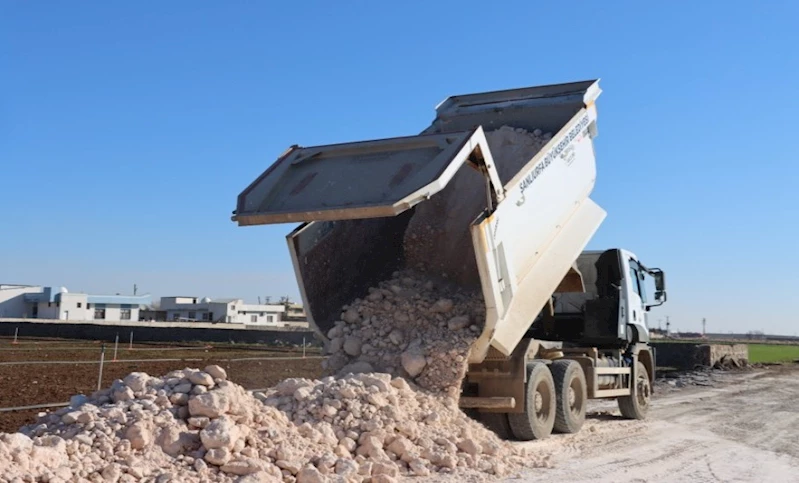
716 353
688 356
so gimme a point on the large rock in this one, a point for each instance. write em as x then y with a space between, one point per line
470 446
17 443
459 322
216 372
352 346
401 446
175 442
385 468
442 306
220 433
287 387
137 381
124 393
201 378
396 337
335 345
291 466
346 467
382 381
140 435
217 456
309 474
71 417
351 316
413 361
418 468
182 388
212 404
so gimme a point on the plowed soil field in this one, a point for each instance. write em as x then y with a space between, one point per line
36 372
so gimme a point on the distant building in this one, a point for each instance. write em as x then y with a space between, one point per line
12 299
151 313
295 313
57 303
194 309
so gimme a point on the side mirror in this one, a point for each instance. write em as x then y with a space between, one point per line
660 281
660 285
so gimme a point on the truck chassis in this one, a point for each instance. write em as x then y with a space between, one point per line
541 388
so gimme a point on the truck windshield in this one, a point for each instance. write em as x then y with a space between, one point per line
638 280
642 286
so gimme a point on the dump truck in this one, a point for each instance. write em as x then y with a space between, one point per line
563 324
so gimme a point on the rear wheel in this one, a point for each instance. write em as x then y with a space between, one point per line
498 423
571 394
538 418
636 405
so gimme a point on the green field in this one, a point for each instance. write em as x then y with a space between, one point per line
773 353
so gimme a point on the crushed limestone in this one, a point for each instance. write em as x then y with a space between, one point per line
412 327
195 426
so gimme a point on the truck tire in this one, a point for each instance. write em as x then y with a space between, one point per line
538 418
636 405
571 394
498 423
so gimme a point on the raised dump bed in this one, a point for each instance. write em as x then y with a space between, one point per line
525 218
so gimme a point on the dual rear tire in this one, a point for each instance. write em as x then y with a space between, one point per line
555 400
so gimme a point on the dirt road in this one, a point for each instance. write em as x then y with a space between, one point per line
745 429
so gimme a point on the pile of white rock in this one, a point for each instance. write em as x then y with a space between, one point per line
193 426
412 327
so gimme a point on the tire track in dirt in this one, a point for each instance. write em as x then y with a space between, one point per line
744 430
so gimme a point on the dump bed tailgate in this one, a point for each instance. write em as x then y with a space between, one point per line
356 180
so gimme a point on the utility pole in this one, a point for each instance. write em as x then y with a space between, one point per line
668 326
135 289
704 325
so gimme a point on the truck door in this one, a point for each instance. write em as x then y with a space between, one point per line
634 299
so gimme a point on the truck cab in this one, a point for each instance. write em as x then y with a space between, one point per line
604 300
590 341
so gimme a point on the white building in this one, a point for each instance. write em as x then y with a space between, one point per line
12 299
56 303
220 310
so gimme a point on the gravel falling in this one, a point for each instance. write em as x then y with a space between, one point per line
421 323
412 327
438 240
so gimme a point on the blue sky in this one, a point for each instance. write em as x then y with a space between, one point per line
128 129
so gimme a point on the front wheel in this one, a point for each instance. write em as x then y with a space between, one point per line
636 405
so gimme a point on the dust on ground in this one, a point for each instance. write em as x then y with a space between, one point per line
719 426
